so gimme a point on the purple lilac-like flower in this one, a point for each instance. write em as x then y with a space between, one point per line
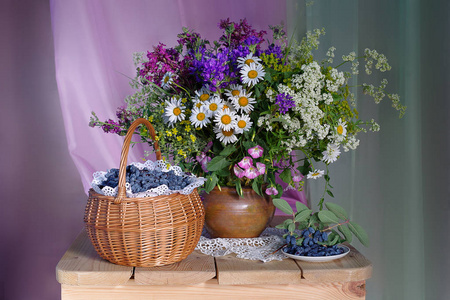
284 102
111 127
275 50
297 176
272 191
256 151
261 168
203 160
252 40
211 69
246 162
251 172
242 31
238 171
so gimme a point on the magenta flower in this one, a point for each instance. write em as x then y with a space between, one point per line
203 160
272 191
297 176
238 171
261 168
246 162
256 151
251 172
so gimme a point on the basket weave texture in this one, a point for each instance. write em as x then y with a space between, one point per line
143 232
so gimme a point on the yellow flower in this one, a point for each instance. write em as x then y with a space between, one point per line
184 100
168 133
150 118
179 138
156 138
167 165
181 152
193 138
188 128
175 131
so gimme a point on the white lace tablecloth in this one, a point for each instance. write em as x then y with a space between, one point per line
260 248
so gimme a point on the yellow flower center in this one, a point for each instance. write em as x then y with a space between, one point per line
315 174
226 119
252 74
200 116
166 79
235 92
249 61
198 105
204 97
340 129
227 132
242 124
225 107
243 101
176 111
213 107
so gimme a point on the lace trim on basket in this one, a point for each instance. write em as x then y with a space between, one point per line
163 189
260 248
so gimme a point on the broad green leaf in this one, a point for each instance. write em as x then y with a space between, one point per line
211 183
334 240
326 216
291 227
286 175
288 221
300 206
303 215
280 226
346 232
283 206
228 150
256 187
360 233
218 163
337 210
313 221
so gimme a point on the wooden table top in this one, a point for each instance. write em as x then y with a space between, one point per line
82 266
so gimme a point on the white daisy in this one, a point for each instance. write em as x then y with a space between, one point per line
341 129
167 80
203 94
252 74
316 174
247 60
199 117
227 105
234 90
225 119
244 102
225 136
213 105
174 110
331 154
243 123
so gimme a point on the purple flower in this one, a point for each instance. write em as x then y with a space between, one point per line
297 176
251 172
261 168
275 50
256 151
238 171
246 162
203 160
284 102
252 40
272 191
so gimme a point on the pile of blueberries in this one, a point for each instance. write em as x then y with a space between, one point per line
310 245
143 180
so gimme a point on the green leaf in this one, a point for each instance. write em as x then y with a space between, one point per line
330 193
360 233
303 215
218 163
286 175
239 188
291 227
346 232
326 216
222 173
334 240
256 187
211 182
337 210
299 241
280 226
305 168
283 206
228 150
313 220
300 206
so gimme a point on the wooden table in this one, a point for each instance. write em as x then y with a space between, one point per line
84 275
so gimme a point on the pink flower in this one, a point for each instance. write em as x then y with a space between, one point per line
203 160
251 173
261 168
246 162
256 151
297 176
272 191
238 171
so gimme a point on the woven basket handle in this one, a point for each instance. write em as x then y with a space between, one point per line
121 193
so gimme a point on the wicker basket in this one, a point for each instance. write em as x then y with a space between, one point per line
143 232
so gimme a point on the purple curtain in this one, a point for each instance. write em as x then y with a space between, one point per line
94 44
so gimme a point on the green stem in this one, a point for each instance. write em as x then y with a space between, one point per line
339 224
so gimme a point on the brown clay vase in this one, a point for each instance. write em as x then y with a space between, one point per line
229 216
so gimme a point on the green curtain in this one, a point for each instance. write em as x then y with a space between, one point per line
396 182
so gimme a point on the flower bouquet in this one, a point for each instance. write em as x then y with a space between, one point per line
249 106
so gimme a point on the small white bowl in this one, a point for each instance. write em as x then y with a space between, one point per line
320 258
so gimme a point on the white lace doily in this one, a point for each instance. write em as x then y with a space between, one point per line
261 248
159 165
